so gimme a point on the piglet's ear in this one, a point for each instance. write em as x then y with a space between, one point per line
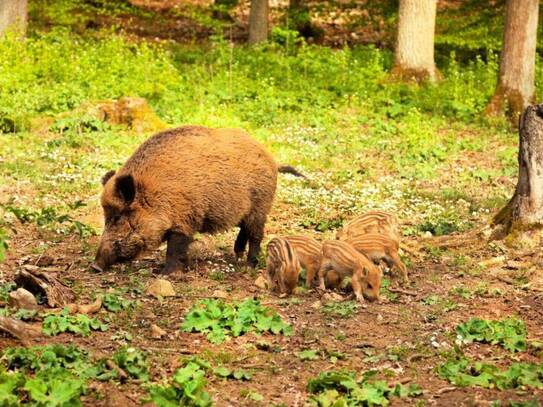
365 272
107 176
126 188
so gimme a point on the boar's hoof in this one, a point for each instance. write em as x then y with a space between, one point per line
170 268
97 268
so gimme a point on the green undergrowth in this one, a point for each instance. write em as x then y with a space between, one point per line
187 385
58 375
220 320
50 218
185 388
116 302
342 309
463 372
79 324
342 388
509 333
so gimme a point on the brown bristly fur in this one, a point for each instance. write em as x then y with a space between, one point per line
371 222
308 251
343 259
282 266
377 248
182 181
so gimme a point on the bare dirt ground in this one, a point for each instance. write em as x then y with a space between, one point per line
402 336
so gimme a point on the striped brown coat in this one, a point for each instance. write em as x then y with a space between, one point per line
371 222
282 266
377 248
308 251
344 260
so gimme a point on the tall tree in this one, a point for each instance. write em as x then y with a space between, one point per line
13 15
258 21
516 88
414 57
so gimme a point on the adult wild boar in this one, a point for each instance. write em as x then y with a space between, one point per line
182 181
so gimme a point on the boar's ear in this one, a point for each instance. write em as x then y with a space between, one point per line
107 176
126 188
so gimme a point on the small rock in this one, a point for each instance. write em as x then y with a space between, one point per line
160 288
44 261
22 298
261 282
219 294
316 305
334 297
157 332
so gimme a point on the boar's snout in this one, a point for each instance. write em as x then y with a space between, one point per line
104 259
371 297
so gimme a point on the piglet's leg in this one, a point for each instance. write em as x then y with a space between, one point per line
357 289
325 267
176 252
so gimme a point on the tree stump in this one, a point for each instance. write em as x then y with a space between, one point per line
37 281
524 211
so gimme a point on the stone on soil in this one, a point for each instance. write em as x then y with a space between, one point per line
22 299
160 288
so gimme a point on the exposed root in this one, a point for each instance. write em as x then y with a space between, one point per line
19 329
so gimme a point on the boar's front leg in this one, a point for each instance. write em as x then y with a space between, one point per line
176 252
241 240
255 231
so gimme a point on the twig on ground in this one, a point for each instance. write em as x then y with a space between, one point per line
402 291
113 366
445 390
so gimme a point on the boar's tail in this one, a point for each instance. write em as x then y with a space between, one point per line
288 169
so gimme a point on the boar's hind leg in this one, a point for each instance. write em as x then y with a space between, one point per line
176 252
255 231
241 240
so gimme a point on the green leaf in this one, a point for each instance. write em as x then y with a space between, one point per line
241 374
308 354
222 371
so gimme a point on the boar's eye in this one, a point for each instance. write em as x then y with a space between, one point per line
370 286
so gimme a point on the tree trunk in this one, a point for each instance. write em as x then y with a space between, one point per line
525 209
258 21
414 56
13 15
515 88
299 19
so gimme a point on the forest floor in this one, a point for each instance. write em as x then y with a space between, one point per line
422 152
